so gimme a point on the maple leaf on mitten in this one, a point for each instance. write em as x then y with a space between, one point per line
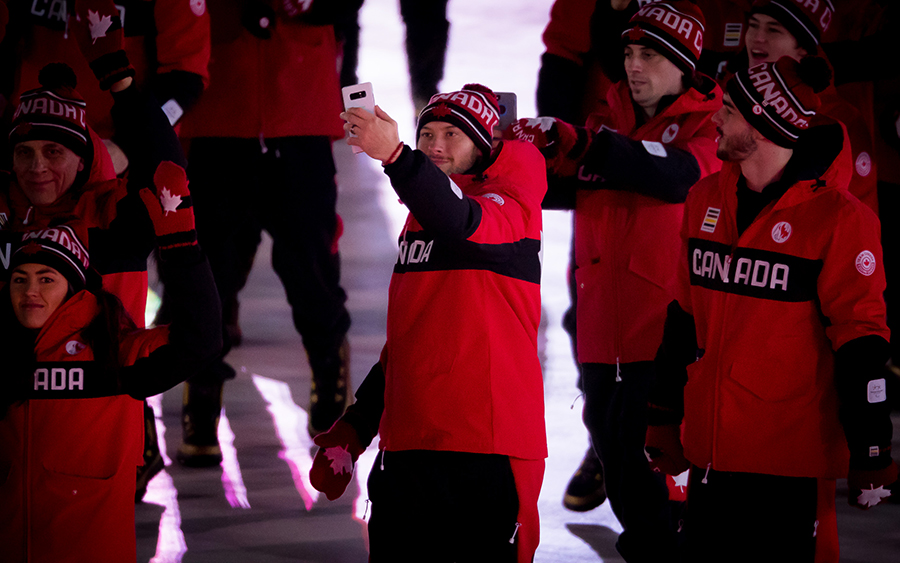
332 468
870 487
168 201
872 496
341 460
171 212
98 25
98 31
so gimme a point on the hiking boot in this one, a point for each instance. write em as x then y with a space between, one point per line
200 423
153 460
585 490
329 394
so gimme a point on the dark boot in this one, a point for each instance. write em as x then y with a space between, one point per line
586 490
153 460
329 394
200 423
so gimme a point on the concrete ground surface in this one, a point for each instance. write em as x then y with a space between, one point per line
258 506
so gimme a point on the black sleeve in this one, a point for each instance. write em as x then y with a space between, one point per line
327 12
677 351
433 200
195 333
626 164
129 240
365 414
864 411
144 134
560 88
180 85
560 193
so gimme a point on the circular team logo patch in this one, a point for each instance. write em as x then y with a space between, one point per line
73 347
865 263
781 232
495 197
670 133
863 164
757 109
198 7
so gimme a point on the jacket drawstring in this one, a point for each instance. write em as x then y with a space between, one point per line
262 144
516 531
708 466
618 371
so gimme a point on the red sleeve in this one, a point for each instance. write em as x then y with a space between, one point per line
513 199
568 34
851 285
182 39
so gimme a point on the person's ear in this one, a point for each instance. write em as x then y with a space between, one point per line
80 164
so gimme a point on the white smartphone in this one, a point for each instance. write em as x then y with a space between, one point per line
358 96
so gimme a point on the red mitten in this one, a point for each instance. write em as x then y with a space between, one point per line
332 468
296 7
100 36
171 209
664 450
870 488
562 144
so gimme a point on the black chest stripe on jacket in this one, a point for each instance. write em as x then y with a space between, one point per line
752 272
71 380
421 253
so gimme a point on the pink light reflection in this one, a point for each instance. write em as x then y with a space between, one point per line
170 545
290 425
232 479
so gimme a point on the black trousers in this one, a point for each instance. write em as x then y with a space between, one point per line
615 414
442 507
287 189
748 517
427 31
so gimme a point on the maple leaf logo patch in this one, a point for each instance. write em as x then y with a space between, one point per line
98 25
341 460
168 201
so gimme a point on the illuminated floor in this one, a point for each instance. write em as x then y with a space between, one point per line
258 506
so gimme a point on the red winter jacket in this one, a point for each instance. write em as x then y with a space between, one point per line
283 86
627 243
461 365
67 465
770 307
161 36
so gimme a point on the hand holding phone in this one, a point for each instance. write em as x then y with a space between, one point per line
358 96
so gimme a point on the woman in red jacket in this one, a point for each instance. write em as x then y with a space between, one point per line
75 366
